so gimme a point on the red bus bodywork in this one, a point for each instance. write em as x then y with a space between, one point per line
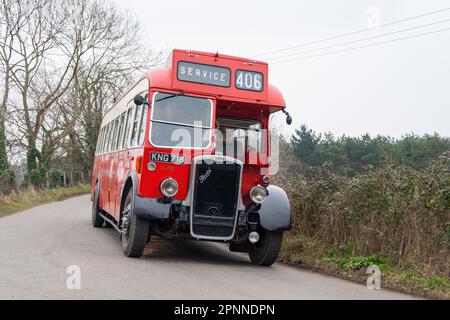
125 167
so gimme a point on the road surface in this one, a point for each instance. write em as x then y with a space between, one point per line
38 245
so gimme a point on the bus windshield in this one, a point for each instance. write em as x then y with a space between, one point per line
179 121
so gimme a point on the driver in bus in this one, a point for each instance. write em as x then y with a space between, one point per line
228 145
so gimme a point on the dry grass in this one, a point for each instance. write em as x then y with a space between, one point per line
21 200
309 253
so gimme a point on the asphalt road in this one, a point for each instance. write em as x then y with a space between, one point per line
38 245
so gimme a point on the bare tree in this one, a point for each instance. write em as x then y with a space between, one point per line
8 25
13 18
64 54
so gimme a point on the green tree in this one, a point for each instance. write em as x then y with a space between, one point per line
418 151
352 155
305 143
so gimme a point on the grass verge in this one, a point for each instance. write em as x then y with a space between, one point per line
311 254
18 201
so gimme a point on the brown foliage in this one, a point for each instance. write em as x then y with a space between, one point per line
396 212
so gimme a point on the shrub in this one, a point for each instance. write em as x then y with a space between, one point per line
396 212
7 182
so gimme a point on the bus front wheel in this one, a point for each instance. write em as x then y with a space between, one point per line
265 251
135 230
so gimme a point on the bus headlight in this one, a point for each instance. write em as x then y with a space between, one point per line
258 194
169 187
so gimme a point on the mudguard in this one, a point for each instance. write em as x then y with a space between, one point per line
149 208
146 208
275 211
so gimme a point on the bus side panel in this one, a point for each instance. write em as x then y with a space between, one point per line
104 178
122 172
113 183
110 182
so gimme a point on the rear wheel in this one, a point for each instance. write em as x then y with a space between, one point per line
135 230
97 220
265 251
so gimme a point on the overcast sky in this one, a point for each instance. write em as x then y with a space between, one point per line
391 89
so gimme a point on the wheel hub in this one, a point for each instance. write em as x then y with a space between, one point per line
125 220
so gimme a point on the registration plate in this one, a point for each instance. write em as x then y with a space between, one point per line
167 158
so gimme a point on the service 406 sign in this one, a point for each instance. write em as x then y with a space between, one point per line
219 76
249 80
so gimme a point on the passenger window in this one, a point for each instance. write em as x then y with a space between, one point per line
134 131
121 125
128 127
102 147
110 130
99 142
114 135
105 140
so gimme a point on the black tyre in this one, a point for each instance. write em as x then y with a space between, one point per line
97 220
265 251
135 230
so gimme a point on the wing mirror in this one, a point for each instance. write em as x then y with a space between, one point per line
288 117
140 100
289 120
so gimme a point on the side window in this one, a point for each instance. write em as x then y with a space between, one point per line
126 140
134 131
108 139
99 142
120 136
114 135
142 126
103 140
102 145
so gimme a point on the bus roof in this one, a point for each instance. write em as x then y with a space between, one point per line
225 77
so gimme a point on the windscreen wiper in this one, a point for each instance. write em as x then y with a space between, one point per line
169 97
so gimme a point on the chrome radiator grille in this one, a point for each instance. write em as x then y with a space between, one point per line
215 199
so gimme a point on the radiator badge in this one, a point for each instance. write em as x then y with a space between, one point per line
205 176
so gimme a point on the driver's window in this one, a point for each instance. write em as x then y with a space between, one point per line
236 136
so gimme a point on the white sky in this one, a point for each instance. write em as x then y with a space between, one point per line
391 89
